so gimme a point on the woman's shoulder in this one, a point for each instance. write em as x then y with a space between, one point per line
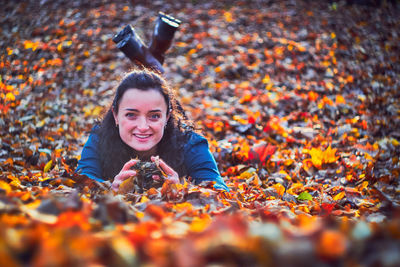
194 138
195 142
94 134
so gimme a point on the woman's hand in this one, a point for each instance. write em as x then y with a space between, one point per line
124 174
172 175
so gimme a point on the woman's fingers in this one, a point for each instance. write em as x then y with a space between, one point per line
156 177
129 164
119 178
167 169
127 172
171 174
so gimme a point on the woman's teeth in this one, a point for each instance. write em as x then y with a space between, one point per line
142 135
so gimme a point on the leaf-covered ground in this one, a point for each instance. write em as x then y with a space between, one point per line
300 102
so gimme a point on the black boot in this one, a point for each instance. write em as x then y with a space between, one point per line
163 34
133 47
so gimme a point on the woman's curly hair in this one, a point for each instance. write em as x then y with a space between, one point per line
114 153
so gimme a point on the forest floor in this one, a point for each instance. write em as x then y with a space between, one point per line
299 101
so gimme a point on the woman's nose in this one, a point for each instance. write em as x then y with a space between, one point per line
142 123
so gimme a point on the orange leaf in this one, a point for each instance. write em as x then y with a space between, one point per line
9 161
156 212
332 244
73 218
280 189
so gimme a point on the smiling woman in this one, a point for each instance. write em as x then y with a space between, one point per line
146 122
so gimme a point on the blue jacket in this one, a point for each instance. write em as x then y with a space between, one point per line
198 160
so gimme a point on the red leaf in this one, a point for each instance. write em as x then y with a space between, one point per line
326 208
261 152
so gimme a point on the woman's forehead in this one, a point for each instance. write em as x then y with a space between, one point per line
137 98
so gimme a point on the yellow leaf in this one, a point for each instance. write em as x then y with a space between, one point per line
319 157
199 224
294 186
127 185
96 111
316 157
183 207
339 196
5 186
395 142
287 176
362 186
247 174
266 79
16 183
329 155
28 44
340 100
144 199
139 214
288 162
9 97
48 166
228 16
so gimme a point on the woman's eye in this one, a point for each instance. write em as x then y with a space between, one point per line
130 115
155 116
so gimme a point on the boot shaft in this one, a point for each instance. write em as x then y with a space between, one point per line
130 43
134 48
163 34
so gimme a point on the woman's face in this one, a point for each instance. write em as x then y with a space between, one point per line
141 118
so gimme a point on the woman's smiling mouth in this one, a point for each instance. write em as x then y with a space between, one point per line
142 136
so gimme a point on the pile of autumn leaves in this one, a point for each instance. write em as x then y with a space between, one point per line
77 221
309 185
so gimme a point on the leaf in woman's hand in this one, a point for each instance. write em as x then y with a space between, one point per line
127 186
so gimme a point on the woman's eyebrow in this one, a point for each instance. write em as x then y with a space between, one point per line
155 110
150 111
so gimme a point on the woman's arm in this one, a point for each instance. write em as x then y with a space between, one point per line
200 163
89 164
